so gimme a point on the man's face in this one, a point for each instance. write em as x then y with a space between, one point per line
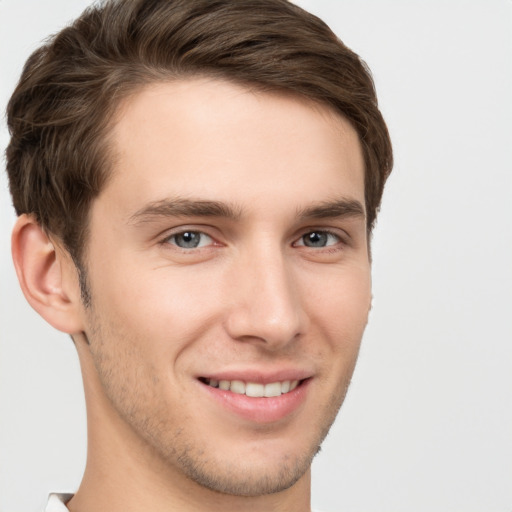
228 250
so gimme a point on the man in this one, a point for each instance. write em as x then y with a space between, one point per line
196 184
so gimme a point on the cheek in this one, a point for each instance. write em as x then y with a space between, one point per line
162 309
338 316
342 305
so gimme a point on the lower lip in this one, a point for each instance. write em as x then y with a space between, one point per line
261 410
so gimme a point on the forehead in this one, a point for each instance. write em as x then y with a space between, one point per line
222 141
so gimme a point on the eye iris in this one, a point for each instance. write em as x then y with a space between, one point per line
315 239
188 239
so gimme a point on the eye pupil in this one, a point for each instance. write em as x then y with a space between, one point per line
315 239
188 239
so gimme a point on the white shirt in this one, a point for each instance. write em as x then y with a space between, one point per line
57 502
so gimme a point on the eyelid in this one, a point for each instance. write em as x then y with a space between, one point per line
201 243
163 239
342 236
165 236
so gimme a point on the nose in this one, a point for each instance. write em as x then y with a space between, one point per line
266 305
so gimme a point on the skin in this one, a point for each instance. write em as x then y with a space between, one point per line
256 296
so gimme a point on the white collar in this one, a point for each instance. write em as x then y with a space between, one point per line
57 502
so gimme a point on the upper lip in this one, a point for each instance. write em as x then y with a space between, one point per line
259 376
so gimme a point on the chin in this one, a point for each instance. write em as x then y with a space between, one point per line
249 478
264 465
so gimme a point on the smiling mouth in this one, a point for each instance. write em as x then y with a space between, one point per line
253 389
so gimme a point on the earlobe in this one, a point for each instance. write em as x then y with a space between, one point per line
46 275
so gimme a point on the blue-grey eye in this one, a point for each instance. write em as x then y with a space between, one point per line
190 239
319 239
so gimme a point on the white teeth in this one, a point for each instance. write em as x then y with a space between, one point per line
224 384
237 386
254 389
273 389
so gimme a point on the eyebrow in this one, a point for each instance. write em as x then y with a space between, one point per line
333 209
182 207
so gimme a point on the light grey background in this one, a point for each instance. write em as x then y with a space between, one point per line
427 425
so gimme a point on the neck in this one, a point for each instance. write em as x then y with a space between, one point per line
124 474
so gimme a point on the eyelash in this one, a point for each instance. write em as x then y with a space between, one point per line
325 232
168 238
340 240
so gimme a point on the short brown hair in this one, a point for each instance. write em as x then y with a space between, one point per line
59 114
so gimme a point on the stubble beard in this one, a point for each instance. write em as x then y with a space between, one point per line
186 456
225 476
129 396
251 482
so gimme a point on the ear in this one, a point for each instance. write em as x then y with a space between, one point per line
47 276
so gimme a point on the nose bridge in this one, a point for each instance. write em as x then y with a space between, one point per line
266 304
